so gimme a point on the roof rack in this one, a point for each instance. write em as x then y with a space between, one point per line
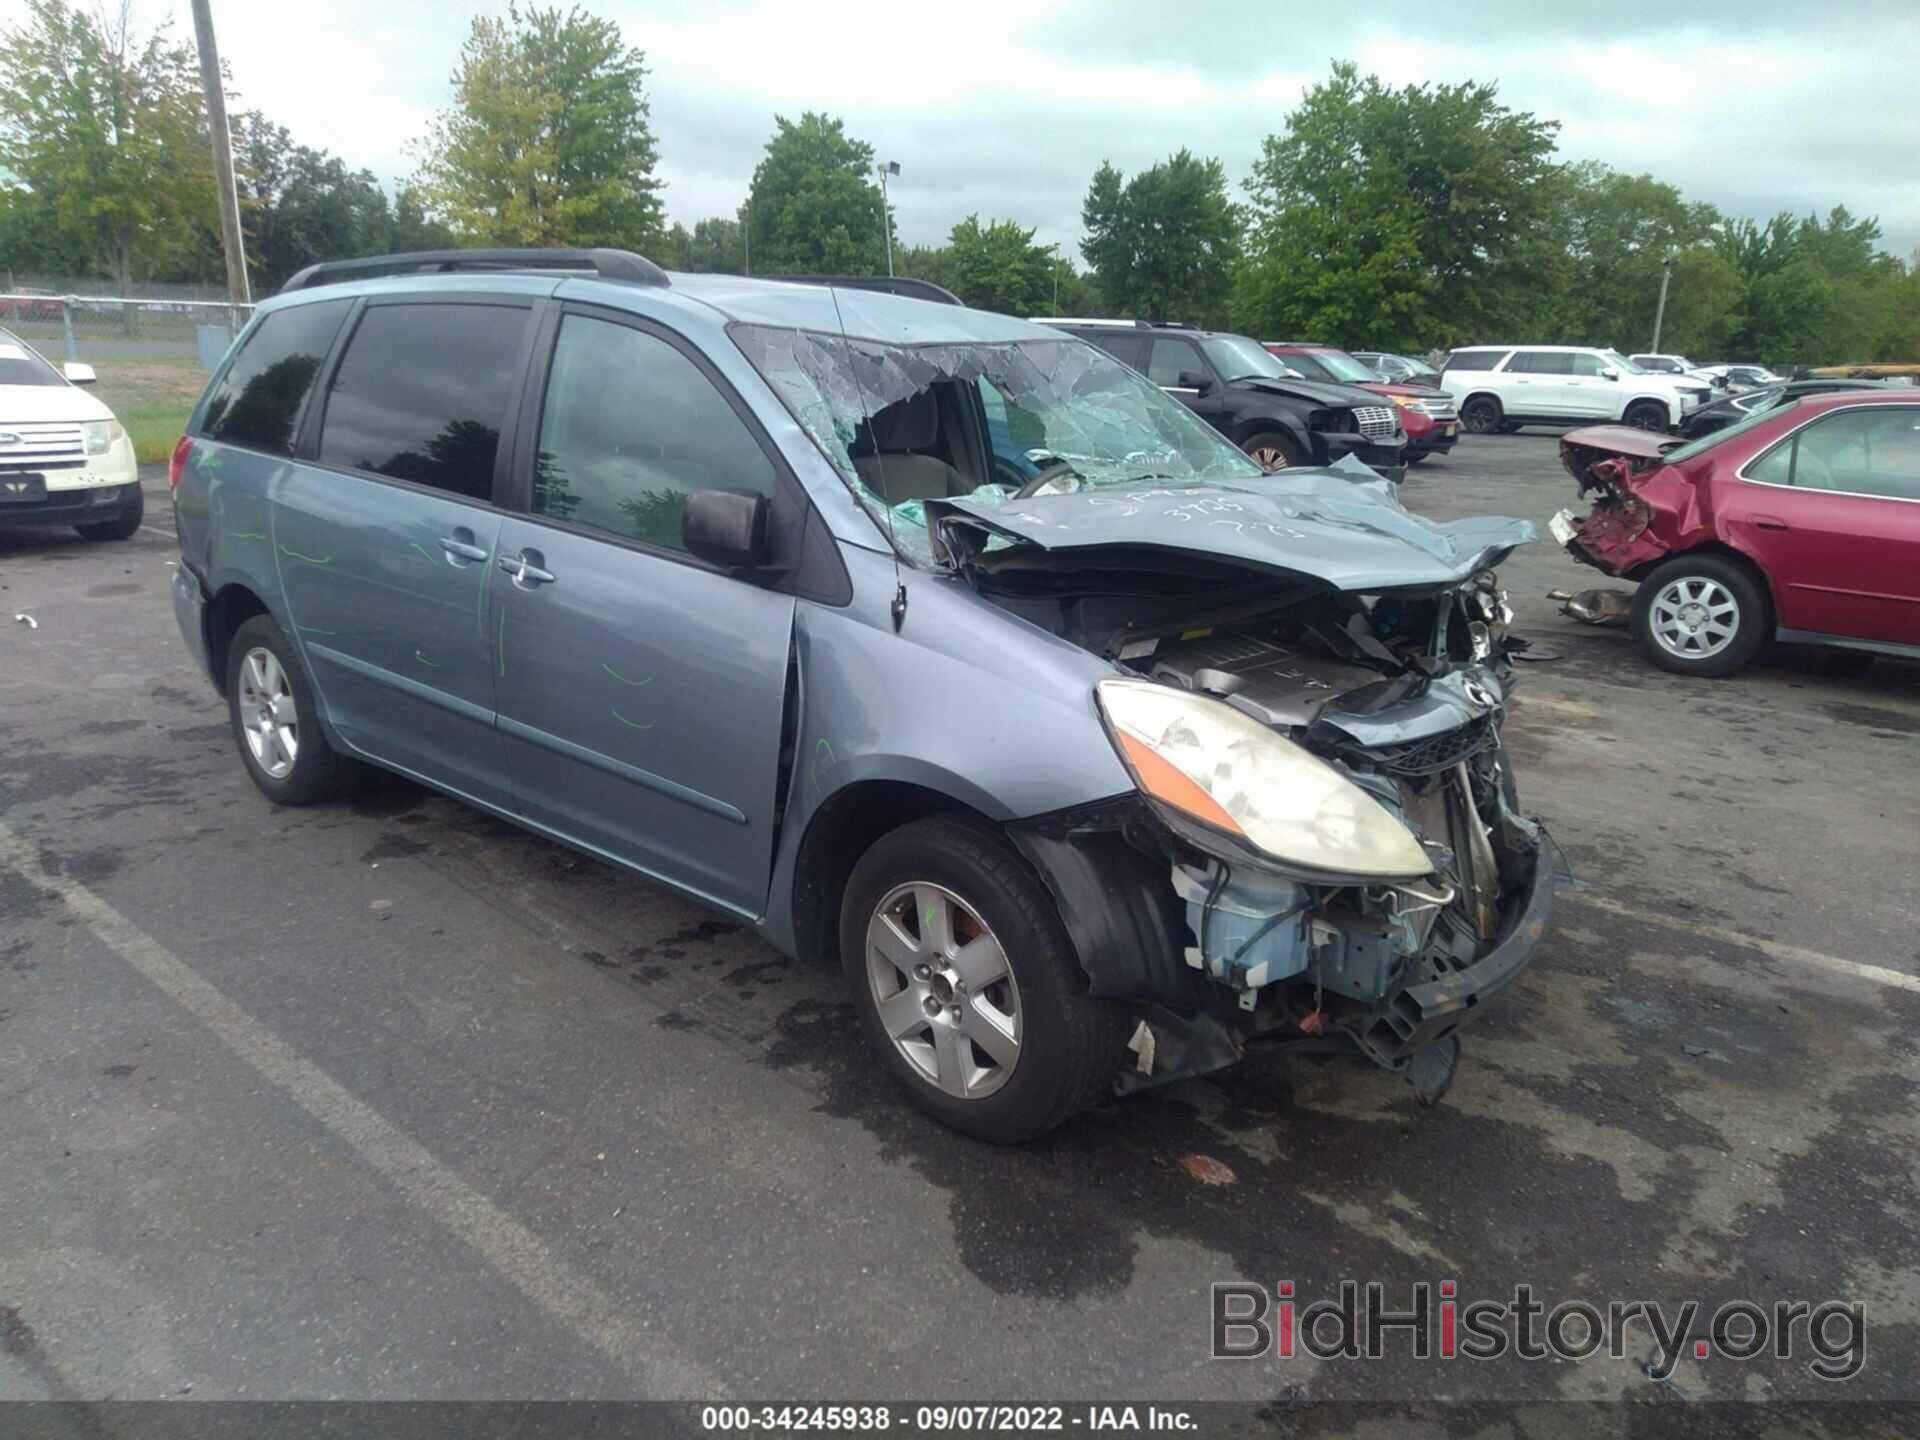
904 286
607 264
1117 324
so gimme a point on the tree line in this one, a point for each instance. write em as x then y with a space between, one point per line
1406 219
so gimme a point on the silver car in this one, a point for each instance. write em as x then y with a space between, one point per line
925 640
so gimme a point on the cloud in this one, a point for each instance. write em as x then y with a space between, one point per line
1753 105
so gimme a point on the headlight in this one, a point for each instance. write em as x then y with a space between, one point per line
1404 402
100 435
1226 770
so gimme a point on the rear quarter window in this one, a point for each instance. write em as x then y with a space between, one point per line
256 401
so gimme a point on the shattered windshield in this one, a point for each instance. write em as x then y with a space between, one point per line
904 424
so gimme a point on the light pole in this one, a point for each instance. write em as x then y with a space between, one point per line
1055 248
891 167
1660 311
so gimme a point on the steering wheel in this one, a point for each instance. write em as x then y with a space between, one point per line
1040 481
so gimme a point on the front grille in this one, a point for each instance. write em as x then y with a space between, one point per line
1436 752
37 443
1376 422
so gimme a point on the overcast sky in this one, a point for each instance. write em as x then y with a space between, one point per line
1005 110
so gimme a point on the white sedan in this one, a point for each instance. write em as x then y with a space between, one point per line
64 459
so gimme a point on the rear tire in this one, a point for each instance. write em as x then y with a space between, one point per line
126 520
1701 614
998 965
1273 451
275 720
1481 415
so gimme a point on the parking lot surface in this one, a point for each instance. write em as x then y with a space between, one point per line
390 1099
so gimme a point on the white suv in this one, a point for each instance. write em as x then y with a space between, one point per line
1502 387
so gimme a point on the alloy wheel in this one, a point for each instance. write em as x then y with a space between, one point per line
944 990
1270 457
268 716
1480 417
1694 617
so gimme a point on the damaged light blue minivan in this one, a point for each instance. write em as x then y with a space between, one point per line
919 637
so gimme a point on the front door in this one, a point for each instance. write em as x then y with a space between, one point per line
640 691
386 546
1178 368
1585 389
1835 519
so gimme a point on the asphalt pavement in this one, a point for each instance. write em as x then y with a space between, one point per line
389 1099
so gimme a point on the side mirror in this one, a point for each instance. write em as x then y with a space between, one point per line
1193 380
727 528
78 373
1609 372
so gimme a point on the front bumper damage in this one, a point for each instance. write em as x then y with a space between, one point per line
1216 950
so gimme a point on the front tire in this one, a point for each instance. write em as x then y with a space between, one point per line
1647 415
275 720
1481 415
1700 614
967 986
1273 451
126 520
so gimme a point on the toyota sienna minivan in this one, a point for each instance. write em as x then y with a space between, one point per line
1090 772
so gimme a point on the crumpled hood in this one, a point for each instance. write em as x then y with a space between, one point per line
1342 525
1319 392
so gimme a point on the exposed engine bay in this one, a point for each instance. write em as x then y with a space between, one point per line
1405 693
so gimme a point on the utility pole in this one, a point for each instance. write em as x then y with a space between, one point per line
1660 311
892 167
238 292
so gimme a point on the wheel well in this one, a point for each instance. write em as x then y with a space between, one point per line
226 613
1484 395
840 832
1640 404
1725 552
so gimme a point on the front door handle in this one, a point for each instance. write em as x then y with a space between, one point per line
462 549
1770 522
525 569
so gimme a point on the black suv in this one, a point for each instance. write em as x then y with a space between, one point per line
1252 398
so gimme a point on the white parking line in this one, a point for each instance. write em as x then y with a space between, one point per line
163 534
1773 949
519 1255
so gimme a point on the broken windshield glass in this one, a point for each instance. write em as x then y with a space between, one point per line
982 421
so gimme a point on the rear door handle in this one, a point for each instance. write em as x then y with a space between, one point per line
1770 522
525 569
464 549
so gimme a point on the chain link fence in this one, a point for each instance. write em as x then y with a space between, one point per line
93 328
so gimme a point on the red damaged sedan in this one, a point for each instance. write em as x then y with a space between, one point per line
1800 523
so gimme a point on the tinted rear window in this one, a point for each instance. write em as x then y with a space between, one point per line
256 403
1474 359
422 394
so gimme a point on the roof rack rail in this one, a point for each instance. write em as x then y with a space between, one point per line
1117 324
904 286
607 264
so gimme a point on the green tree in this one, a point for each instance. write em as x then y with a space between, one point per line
713 247
814 207
103 128
413 228
1398 216
299 205
998 267
547 142
1164 243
